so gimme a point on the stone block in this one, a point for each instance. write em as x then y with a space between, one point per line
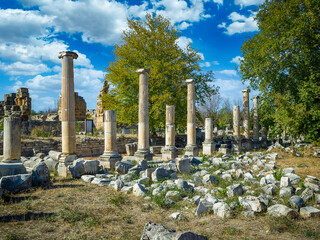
183 165
16 183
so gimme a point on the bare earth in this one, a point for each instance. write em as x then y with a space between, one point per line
73 209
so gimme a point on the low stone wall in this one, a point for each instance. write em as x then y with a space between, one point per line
85 147
53 127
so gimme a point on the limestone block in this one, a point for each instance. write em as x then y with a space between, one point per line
183 165
308 212
280 210
16 183
40 175
235 190
160 174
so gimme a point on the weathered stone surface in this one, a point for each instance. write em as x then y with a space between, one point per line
280 210
138 190
307 195
40 175
252 203
269 189
285 182
313 183
16 183
177 216
183 185
202 208
235 190
100 181
154 231
51 164
221 209
294 178
173 195
7 169
160 174
123 166
184 165
117 184
307 212
170 167
285 191
209 179
87 178
296 202
131 148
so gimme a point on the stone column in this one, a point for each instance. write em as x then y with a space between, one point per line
170 151
236 145
68 127
246 113
255 136
208 146
12 140
110 155
191 148
143 152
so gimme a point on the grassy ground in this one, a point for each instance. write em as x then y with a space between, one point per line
72 209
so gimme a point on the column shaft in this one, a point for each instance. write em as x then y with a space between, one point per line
246 113
236 122
208 130
12 140
255 119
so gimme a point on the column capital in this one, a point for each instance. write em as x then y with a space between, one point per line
255 97
68 54
189 80
246 90
143 70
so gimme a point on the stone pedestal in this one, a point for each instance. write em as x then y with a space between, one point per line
143 152
246 113
68 127
170 151
12 140
224 149
208 146
255 136
110 155
191 148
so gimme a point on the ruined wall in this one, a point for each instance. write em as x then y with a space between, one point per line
80 107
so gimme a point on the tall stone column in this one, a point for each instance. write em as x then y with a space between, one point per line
170 151
208 145
143 152
12 140
68 124
255 136
246 113
236 145
110 155
191 148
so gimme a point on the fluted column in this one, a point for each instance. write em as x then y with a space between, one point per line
143 152
110 155
68 125
12 140
170 151
191 148
208 145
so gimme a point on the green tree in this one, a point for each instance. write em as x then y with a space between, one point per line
282 61
153 44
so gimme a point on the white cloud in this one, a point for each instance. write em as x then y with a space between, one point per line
201 56
240 24
215 63
205 64
245 3
183 42
236 60
229 72
183 25
19 68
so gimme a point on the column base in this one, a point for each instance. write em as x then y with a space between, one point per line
236 146
208 148
143 154
64 162
7 169
246 144
192 150
169 152
109 159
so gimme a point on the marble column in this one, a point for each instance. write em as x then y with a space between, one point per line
255 136
170 151
110 155
143 152
12 140
236 146
208 145
191 148
68 122
246 113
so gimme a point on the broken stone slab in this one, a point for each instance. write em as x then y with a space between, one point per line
127 189
159 174
203 207
138 190
123 166
171 167
183 185
174 196
269 189
197 181
117 184
296 202
40 175
184 165
51 164
177 216
221 209
209 179
285 182
235 190
307 195
30 163
285 192
252 203
87 178
294 178
313 183
308 212
280 210
16 183
7 169
101 181
153 231
288 170
55 155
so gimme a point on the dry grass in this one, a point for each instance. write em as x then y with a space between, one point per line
72 209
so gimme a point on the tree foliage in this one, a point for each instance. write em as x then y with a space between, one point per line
153 44
282 61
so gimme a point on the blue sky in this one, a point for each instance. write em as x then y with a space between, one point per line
33 32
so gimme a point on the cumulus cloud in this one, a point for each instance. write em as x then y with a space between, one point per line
205 64
19 68
236 60
229 72
183 42
240 24
245 3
